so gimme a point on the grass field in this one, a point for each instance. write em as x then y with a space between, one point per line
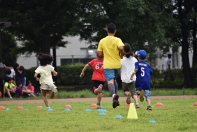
176 115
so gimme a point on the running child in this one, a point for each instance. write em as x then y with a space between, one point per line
127 68
98 78
142 84
46 82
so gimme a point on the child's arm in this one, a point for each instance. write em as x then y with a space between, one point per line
35 76
82 72
131 78
54 73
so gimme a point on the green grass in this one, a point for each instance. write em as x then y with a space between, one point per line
176 115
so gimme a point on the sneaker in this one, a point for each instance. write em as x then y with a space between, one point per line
142 95
128 101
100 88
137 106
115 101
98 106
149 108
54 90
49 109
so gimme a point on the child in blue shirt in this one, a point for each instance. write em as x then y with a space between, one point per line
142 84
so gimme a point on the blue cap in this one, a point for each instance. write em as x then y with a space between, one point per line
141 54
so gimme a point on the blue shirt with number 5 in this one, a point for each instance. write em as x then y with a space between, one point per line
143 75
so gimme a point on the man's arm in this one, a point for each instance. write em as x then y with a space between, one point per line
121 51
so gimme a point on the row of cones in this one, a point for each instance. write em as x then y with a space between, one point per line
38 107
92 105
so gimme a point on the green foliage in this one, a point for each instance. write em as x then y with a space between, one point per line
8 47
173 77
172 117
40 25
69 74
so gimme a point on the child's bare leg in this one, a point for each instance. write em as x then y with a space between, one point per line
126 93
149 102
135 99
32 94
44 96
99 96
51 94
8 92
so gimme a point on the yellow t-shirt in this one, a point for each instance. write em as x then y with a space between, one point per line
10 86
45 74
109 46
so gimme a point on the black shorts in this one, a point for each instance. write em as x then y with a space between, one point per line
96 83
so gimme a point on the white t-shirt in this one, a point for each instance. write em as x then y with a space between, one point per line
45 73
12 74
127 68
167 62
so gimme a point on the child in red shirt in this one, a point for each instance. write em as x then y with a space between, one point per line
98 77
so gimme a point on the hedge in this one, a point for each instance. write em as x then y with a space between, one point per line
69 75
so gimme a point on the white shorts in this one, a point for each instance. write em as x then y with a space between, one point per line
47 87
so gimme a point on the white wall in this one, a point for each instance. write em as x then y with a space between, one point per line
75 48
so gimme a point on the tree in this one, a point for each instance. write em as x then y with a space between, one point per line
40 25
142 24
185 13
9 46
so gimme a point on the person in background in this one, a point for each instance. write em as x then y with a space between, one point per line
21 90
20 73
30 86
167 64
10 73
9 87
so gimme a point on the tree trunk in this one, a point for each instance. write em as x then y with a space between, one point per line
185 57
194 66
46 45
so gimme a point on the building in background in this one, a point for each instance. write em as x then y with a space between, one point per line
76 51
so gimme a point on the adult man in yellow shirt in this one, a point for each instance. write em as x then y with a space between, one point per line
112 49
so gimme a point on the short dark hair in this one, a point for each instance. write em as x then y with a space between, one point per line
8 71
18 83
7 79
111 28
169 55
15 65
45 59
127 49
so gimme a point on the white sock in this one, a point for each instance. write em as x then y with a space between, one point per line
113 95
48 107
10 97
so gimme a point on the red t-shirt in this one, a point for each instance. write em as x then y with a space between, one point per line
97 65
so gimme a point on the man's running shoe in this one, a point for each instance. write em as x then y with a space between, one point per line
115 101
54 90
142 95
100 88
128 101
149 108
137 106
